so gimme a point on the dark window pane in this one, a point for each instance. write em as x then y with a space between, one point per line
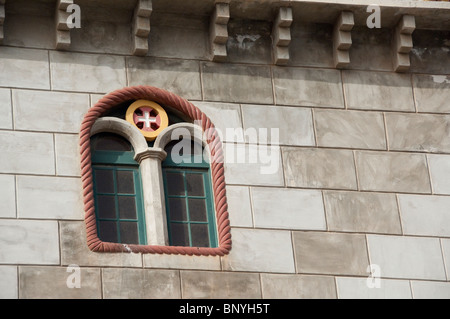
104 181
129 233
177 209
175 183
110 142
127 207
125 182
108 231
195 184
197 209
199 234
106 206
179 234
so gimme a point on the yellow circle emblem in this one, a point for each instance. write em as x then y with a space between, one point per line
149 117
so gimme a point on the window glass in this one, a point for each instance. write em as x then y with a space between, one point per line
117 190
189 202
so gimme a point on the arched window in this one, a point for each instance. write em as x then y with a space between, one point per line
117 190
188 195
144 190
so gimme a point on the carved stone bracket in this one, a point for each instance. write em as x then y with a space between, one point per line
62 28
218 31
2 19
141 26
281 35
402 43
342 39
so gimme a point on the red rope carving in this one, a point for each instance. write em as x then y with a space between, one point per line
217 172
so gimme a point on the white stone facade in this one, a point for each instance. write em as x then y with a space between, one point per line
361 167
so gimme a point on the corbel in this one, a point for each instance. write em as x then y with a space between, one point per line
402 43
281 35
2 19
62 28
342 39
218 31
141 26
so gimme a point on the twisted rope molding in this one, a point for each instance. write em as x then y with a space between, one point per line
162 97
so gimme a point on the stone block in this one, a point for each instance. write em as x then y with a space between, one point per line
358 288
350 129
277 286
446 253
49 197
8 282
308 87
50 111
219 285
371 48
27 153
181 262
237 83
97 35
294 125
378 91
181 77
407 257
29 242
74 249
330 253
81 72
7 196
362 212
193 39
307 37
439 166
425 215
55 283
430 133
288 208
6 121
319 168
430 49
260 250
432 93
430 289
392 172
24 68
239 206
249 41
140 283
226 118
253 165
67 155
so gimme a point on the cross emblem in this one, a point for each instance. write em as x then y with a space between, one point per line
144 119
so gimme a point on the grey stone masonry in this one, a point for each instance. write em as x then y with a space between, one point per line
336 142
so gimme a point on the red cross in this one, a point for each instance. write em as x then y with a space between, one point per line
146 119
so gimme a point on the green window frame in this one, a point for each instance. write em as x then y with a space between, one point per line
189 203
118 197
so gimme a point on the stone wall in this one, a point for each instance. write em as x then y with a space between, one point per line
362 167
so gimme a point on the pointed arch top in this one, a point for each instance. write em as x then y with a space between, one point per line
166 98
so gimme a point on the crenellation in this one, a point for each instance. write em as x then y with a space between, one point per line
218 31
402 43
342 39
281 35
141 27
62 31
